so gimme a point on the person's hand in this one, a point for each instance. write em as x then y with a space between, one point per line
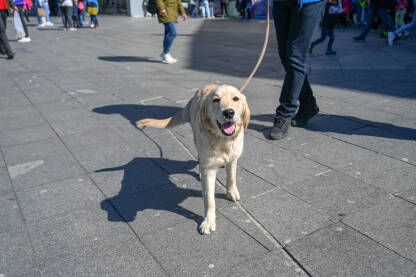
163 12
185 17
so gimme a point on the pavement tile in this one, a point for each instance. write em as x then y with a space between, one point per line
25 135
338 250
126 258
338 194
58 198
10 112
100 137
81 124
266 265
11 220
16 255
60 105
32 151
66 236
392 223
44 171
182 251
409 195
21 121
286 217
5 185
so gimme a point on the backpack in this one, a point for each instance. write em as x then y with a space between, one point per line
151 6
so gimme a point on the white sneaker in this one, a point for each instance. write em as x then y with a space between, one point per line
49 24
42 25
92 26
390 38
167 58
24 40
72 29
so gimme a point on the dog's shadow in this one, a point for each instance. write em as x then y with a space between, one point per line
145 186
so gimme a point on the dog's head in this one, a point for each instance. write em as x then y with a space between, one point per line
226 111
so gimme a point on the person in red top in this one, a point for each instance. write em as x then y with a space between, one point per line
4 41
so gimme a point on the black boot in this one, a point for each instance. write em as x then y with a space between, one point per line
304 114
280 128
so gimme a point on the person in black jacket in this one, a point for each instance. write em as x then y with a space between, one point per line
332 9
4 41
379 7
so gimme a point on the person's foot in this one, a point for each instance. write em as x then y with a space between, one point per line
280 128
92 26
72 29
2 52
330 52
303 115
390 38
49 24
10 55
24 40
167 58
42 25
359 39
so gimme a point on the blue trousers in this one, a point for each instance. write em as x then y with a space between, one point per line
294 30
170 35
385 18
326 32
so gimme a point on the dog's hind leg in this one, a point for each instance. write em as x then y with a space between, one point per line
208 193
232 191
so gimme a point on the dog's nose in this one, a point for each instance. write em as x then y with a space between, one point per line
228 113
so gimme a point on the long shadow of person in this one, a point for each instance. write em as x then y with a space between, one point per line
146 186
333 123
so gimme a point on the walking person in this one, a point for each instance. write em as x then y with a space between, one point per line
20 7
195 12
407 27
168 15
67 7
379 7
27 7
332 9
5 48
295 23
43 19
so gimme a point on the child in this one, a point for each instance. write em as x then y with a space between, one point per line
81 13
92 9
328 24
75 21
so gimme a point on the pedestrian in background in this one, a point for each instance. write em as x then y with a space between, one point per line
206 13
67 7
20 9
332 9
92 8
409 26
81 7
5 48
27 7
401 10
168 15
75 21
295 23
43 19
224 8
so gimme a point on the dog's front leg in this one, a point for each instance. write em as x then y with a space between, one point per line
208 192
232 191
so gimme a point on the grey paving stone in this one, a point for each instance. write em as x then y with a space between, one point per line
193 254
16 256
64 237
100 137
396 106
21 121
36 150
340 251
338 194
271 264
274 164
127 258
25 135
81 124
61 105
44 171
58 198
10 215
392 223
331 124
10 112
5 185
285 216
30 274
409 195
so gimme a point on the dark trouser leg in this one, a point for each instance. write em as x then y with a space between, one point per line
386 19
370 22
324 33
294 30
21 14
68 11
4 41
331 35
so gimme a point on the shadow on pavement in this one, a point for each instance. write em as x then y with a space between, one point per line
328 123
122 59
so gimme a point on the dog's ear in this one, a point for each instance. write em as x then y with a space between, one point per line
246 113
202 115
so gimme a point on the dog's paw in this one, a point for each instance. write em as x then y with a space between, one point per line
233 195
207 226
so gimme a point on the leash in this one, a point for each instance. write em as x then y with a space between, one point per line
263 51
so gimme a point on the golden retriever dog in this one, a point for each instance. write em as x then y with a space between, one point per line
218 116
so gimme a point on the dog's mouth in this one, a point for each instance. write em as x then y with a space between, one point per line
227 128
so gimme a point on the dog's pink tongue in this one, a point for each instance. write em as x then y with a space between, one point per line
228 127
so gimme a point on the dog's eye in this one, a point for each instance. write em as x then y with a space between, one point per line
216 100
235 99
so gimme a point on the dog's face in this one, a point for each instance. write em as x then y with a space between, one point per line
225 110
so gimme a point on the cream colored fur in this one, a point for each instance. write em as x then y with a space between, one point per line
205 111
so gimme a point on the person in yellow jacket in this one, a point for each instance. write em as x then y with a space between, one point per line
168 11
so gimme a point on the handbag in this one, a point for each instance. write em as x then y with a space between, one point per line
151 6
41 12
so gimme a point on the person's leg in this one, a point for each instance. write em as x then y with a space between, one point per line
69 16
324 33
4 41
369 25
203 9
386 19
409 26
400 19
21 14
359 14
331 35
299 31
170 35
47 12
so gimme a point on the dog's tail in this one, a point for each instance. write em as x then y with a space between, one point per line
173 121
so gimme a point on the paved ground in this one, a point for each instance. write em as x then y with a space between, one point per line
85 193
